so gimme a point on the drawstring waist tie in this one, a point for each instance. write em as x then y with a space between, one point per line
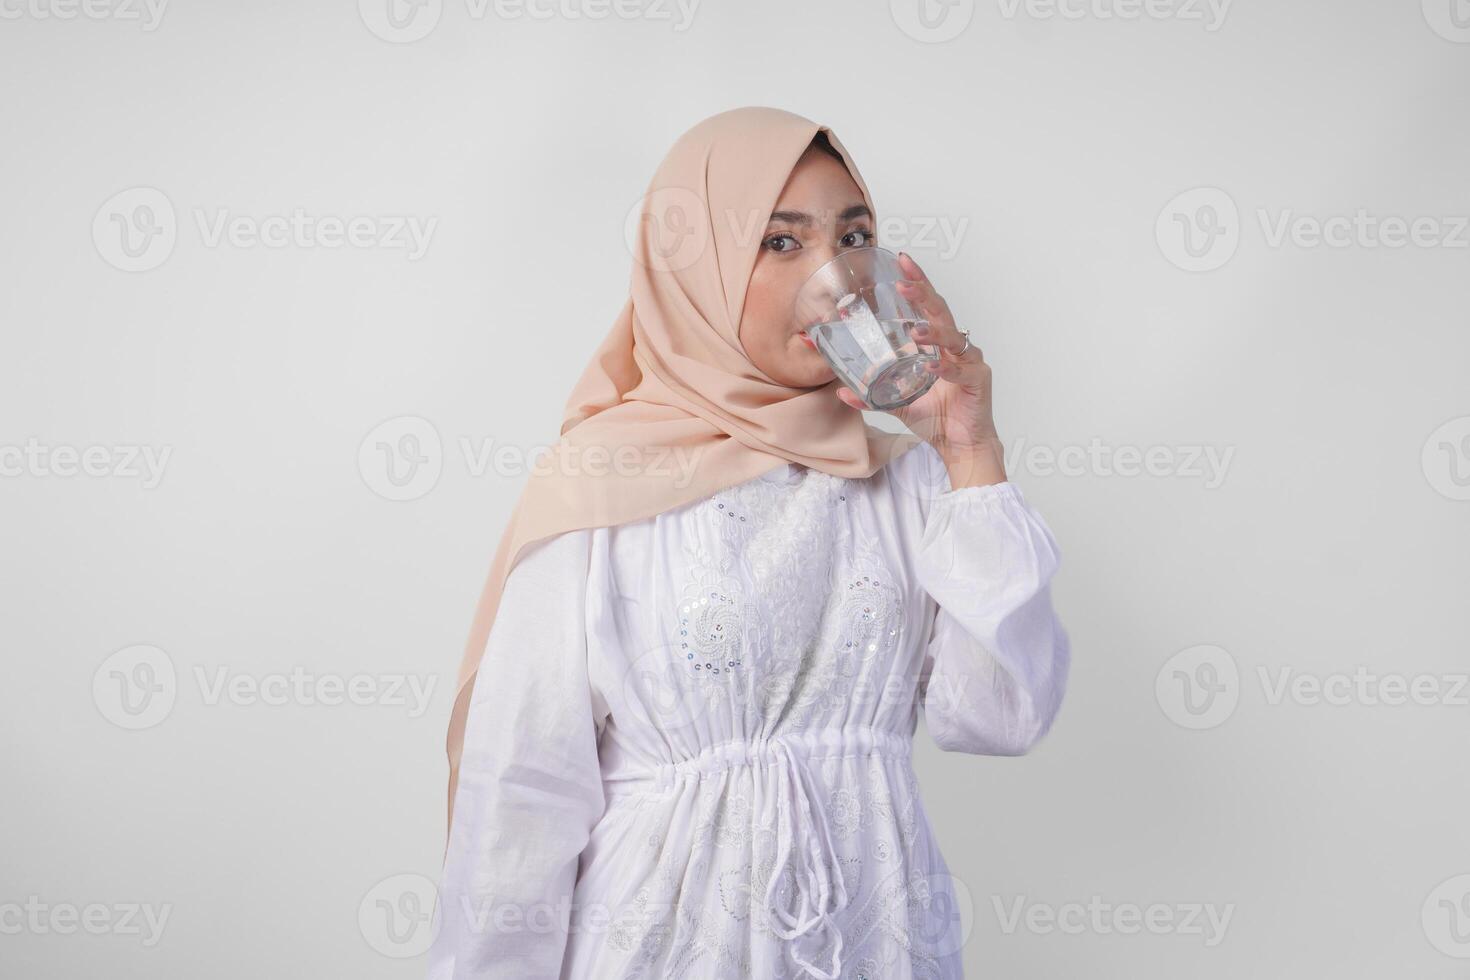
804 836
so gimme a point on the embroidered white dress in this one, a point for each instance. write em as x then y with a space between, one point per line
688 749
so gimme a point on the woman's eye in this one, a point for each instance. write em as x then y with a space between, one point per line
770 243
867 238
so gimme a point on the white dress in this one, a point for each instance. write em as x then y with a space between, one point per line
688 749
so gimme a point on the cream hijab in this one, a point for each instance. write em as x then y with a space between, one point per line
671 380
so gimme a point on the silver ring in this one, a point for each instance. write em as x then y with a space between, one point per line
966 335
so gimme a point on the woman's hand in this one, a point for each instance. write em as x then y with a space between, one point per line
954 415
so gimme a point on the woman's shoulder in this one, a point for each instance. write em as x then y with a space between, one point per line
556 553
916 472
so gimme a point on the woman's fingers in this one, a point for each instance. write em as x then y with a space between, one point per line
950 341
942 332
923 296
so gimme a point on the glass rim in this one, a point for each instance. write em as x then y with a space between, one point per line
872 249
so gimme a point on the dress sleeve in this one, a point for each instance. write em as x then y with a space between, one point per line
997 658
530 785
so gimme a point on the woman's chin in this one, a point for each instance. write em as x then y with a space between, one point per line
809 369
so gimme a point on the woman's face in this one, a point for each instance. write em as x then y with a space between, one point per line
820 212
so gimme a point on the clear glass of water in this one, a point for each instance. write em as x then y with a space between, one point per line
852 311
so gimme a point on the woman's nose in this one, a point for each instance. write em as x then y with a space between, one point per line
823 254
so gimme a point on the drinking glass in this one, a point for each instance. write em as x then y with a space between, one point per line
852 310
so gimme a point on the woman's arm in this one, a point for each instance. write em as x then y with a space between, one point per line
997 659
996 664
530 785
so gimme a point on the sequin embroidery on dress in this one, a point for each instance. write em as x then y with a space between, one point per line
787 610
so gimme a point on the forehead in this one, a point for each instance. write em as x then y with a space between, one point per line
819 181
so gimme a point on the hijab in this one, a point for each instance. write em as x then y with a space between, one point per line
671 380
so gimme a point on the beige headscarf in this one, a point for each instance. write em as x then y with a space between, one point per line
671 377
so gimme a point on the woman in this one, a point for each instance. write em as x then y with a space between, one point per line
687 751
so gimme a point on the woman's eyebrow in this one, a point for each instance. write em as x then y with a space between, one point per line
802 218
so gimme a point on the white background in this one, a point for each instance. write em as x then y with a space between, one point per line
1042 162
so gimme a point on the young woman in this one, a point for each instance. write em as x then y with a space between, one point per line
682 746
